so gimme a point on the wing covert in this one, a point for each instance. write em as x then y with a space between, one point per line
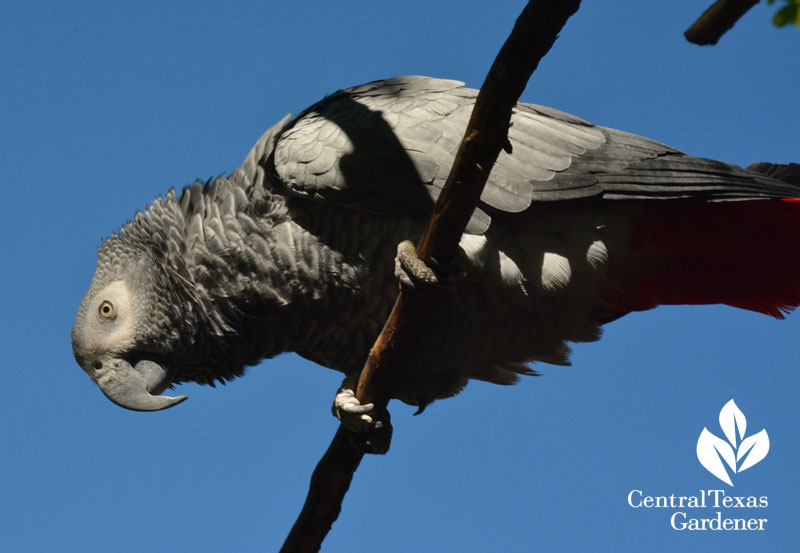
387 146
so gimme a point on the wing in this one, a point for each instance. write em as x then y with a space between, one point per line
387 146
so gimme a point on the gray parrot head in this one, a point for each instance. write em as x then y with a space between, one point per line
130 323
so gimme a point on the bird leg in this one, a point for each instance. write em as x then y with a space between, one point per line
370 429
413 273
417 276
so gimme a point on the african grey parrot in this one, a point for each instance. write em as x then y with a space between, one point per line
294 251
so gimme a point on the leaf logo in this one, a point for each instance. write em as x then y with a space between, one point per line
738 454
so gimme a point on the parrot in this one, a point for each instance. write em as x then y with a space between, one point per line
297 249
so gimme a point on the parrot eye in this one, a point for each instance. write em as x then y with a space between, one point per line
107 310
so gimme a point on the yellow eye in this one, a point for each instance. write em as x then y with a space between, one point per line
107 310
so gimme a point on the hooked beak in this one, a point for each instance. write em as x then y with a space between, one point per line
132 386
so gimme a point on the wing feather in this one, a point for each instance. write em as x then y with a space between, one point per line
387 146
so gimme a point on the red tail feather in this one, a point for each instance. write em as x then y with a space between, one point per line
745 254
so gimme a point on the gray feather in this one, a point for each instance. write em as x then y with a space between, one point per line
294 250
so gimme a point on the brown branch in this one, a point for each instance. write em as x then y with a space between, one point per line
329 483
487 132
717 20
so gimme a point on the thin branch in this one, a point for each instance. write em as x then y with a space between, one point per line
717 20
534 33
329 484
487 133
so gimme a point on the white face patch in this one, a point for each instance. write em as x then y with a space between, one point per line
108 321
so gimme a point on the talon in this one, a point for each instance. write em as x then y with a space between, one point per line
346 402
370 430
377 441
368 419
410 269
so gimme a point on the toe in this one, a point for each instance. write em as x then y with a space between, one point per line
410 269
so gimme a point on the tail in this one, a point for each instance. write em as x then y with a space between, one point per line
740 253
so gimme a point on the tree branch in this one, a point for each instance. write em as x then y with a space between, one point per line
487 133
717 20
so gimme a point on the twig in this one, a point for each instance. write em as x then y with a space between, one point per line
717 20
487 133
329 483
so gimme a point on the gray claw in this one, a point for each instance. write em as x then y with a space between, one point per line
367 434
410 269
352 413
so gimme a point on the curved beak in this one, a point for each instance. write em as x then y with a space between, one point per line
132 386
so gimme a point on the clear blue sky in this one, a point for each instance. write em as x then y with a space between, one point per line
105 107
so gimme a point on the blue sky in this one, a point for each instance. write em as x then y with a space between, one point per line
105 107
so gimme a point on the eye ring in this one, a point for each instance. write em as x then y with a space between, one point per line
106 310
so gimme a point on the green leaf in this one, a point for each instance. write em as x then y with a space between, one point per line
789 14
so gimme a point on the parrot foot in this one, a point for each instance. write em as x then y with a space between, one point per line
410 270
370 431
415 275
